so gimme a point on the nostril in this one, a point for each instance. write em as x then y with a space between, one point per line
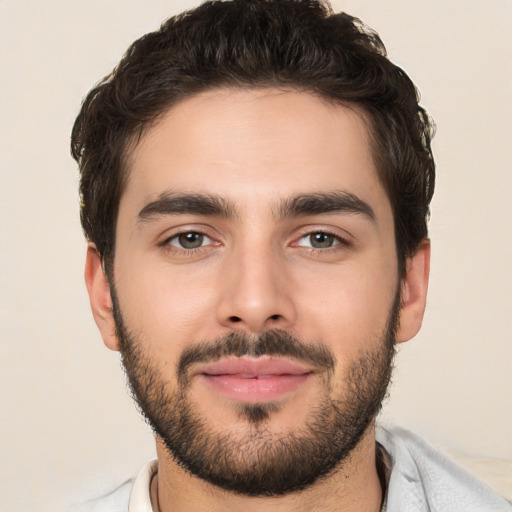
274 317
235 319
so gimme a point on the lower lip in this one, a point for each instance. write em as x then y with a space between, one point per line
253 390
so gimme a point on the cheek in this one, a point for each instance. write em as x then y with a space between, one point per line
169 307
348 308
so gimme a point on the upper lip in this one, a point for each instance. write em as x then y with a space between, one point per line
253 367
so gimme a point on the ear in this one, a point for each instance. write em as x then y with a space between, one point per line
99 296
414 293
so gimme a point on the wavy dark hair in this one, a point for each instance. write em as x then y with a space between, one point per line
294 44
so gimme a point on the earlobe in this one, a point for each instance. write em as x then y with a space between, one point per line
100 298
414 293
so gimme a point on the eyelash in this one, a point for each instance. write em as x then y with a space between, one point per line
167 246
341 243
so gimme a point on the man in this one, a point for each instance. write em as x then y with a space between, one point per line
256 179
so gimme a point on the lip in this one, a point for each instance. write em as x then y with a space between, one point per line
252 380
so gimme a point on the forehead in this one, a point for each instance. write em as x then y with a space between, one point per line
247 143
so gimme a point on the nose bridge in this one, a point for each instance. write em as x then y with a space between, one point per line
254 296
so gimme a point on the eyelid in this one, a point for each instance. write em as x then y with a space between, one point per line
171 232
342 236
175 232
336 240
177 236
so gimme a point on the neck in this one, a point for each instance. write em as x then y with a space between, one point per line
355 487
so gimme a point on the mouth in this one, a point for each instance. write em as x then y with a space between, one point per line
254 380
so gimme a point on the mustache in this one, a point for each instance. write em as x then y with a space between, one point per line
274 342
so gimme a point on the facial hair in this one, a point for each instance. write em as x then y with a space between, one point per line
261 462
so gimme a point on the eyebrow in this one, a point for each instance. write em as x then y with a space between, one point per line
325 203
169 203
320 203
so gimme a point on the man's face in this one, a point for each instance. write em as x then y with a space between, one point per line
256 282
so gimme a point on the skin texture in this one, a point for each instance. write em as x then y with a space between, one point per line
255 270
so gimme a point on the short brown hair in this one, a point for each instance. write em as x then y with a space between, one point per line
298 44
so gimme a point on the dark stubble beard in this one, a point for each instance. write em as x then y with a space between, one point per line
261 462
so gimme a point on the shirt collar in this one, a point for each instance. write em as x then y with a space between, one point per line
140 498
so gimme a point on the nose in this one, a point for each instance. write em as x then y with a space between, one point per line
255 294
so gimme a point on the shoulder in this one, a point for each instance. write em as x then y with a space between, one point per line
131 496
422 478
115 501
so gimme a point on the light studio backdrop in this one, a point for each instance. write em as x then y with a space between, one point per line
68 427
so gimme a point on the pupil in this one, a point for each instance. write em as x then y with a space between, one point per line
191 240
321 240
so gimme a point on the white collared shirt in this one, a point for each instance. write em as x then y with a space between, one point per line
421 479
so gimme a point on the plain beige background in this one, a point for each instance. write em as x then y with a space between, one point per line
69 430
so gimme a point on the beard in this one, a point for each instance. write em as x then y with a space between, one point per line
261 462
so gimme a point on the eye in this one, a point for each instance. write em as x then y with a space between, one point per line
319 240
189 240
